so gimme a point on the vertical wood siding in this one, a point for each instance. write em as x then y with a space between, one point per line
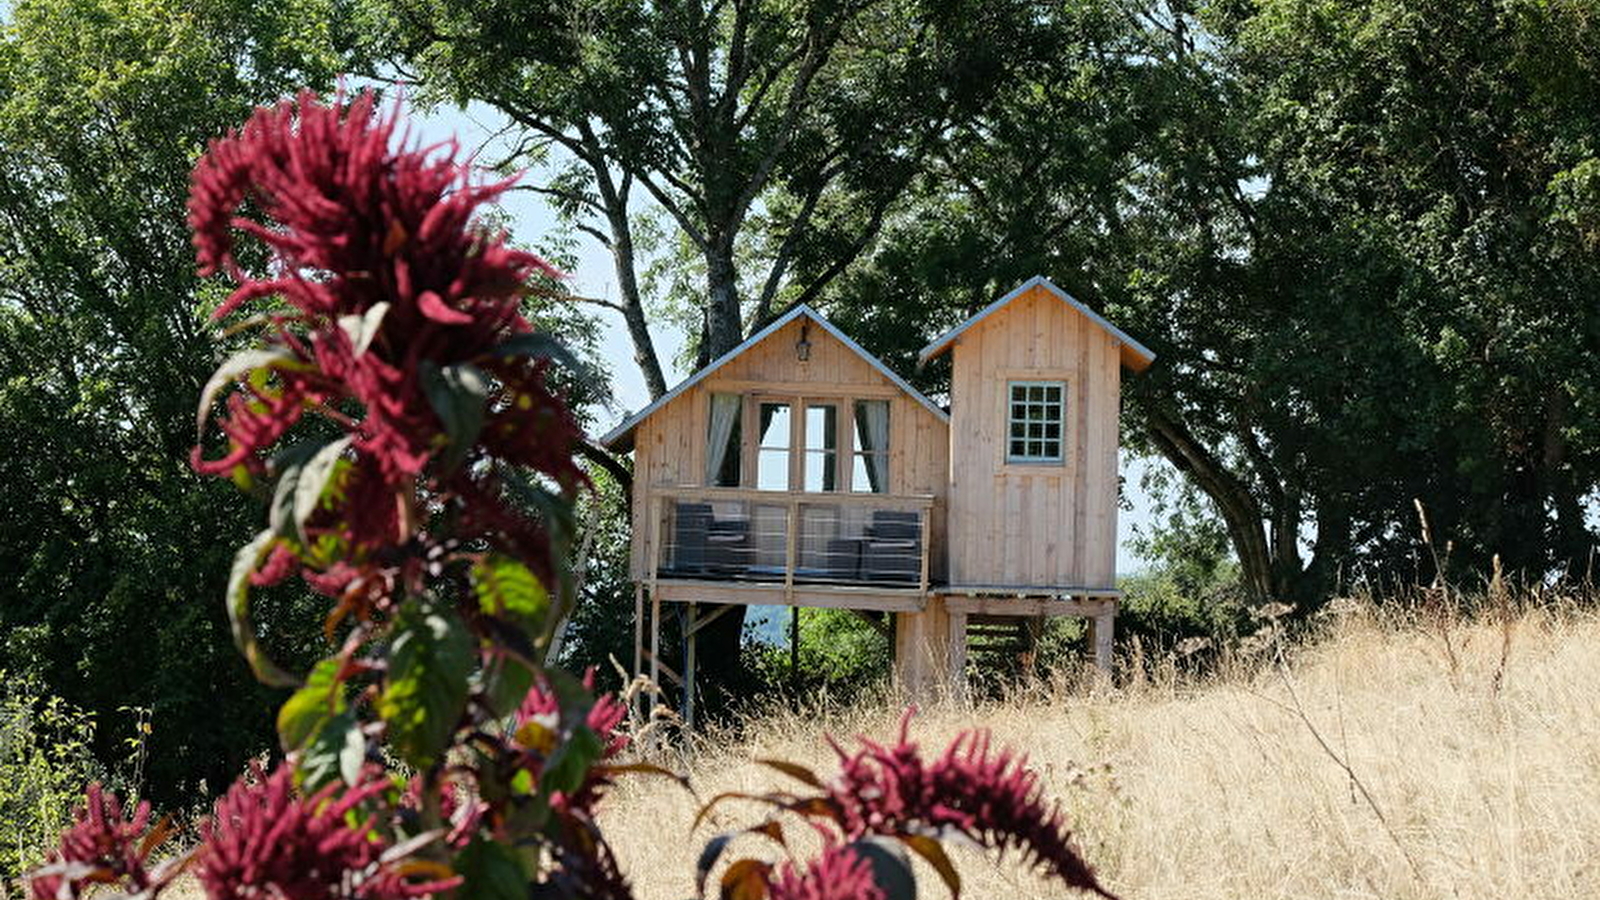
1043 525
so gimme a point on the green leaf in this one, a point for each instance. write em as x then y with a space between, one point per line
237 366
313 482
245 563
336 751
490 871
425 693
506 589
552 509
287 465
891 867
506 681
459 396
305 710
567 768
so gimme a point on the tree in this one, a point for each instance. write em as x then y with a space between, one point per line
111 546
1358 296
719 113
808 119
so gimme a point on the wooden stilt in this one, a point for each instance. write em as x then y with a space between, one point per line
690 640
638 639
638 628
655 644
921 650
958 657
1102 634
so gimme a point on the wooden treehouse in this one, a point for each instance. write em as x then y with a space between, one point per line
799 470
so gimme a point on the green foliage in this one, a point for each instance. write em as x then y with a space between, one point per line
839 652
601 627
46 760
1367 280
110 542
425 692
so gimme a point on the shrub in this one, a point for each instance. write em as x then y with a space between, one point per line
45 765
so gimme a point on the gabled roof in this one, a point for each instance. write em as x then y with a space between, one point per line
626 428
1135 355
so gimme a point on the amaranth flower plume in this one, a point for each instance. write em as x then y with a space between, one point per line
991 798
838 873
101 847
264 840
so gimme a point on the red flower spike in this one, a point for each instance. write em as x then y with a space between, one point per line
350 224
604 719
991 798
263 840
100 847
839 873
377 276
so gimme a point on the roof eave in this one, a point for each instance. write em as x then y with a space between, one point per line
1142 355
615 436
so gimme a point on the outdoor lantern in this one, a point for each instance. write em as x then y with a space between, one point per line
802 347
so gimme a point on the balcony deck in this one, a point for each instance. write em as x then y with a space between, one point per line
836 549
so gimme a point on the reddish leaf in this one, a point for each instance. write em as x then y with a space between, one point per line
746 880
782 801
933 851
794 770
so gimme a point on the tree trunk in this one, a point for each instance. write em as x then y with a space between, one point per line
724 326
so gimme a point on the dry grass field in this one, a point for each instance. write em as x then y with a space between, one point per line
1389 758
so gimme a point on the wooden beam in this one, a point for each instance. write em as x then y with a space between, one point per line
784 390
661 668
1029 606
684 590
1025 590
883 627
697 623
774 498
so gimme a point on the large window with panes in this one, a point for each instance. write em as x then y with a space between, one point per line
813 445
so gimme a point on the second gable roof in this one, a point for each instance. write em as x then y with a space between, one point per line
1135 355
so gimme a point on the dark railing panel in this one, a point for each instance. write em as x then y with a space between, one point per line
793 538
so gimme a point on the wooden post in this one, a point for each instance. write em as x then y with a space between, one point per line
1102 633
922 650
688 665
794 647
655 645
958 657
791 518
638 635
927 513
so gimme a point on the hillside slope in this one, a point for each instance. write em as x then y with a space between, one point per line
1483 775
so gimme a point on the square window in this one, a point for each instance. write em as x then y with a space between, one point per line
1036 422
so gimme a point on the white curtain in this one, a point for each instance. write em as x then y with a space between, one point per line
724 415
872 422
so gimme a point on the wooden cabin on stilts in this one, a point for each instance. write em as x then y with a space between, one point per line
798 470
